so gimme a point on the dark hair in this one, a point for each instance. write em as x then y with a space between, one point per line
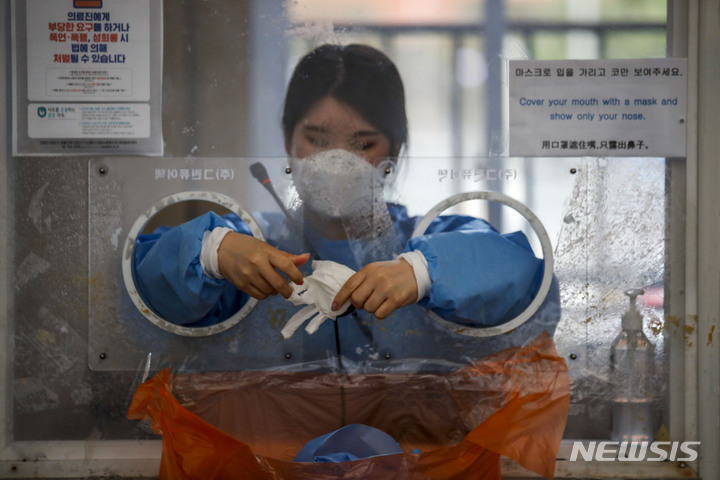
359 76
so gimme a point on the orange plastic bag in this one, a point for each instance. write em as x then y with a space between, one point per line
515 403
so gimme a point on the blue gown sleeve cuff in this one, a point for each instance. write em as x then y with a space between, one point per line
170 278
479 278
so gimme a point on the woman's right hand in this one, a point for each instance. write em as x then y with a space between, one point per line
254 267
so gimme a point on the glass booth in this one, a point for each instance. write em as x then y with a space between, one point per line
80 333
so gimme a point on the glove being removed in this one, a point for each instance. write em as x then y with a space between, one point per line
317 292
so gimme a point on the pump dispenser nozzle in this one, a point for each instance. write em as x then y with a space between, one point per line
632 319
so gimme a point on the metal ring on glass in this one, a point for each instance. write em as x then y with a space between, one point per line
127 263
546 250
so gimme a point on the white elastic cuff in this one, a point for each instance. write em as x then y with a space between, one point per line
208 253
419 264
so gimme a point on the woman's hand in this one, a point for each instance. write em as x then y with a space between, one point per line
254 267
380 288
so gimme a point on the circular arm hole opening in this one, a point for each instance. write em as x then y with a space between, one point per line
149 217
547 252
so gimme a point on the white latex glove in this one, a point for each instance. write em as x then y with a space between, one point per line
317 292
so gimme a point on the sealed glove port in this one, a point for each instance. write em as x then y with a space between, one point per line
173 210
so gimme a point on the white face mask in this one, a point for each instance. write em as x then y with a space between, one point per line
337 184
340 186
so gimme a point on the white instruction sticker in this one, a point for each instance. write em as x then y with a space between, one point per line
620 108
96 51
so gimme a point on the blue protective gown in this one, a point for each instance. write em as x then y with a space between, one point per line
479 277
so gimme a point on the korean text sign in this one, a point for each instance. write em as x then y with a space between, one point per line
620 108
87 77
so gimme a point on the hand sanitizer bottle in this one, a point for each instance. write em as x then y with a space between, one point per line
632 359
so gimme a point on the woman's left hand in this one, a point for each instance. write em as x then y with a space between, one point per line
380 288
